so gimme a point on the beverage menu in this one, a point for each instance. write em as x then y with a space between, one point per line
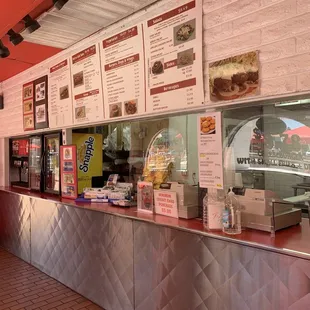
210 154
60 94
123 73
87 86
173 48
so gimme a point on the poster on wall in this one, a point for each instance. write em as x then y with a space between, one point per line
86 86
28 106
60 94
210 155
68 171
122 59
234 77
41 102
173 48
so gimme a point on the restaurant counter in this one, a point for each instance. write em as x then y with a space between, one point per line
122 259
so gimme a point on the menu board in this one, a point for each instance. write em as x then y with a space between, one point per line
173 48
210 155
68 171
28 103
60 94
86 86
41 102
123 73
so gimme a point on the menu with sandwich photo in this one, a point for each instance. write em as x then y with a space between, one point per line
122 59
60 94
173 48
87 86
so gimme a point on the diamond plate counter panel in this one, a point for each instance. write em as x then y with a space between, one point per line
91 252
15 224
175 270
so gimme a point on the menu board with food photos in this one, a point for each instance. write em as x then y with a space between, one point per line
173 49
123 73
87 86
41 102
60 94
28 106
210 151
68 171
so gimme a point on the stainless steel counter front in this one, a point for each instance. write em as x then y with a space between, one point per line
126 262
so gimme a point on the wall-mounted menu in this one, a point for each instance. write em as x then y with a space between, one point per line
41 102
123 73
173 48
86 86
210 152
60 94
28 106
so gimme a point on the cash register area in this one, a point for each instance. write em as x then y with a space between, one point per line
266 152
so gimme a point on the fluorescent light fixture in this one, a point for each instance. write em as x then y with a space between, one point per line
294 102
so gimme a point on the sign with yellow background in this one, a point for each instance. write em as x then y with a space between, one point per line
89 158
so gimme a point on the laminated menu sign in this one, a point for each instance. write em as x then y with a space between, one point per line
173 48
60 107
68 171
86 86
166 203
123 73
210 155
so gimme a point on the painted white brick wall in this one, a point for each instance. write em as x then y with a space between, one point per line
278 29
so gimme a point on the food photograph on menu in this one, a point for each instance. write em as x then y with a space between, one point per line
28 122
234 77
40 91
185 32
64 92
80 112
116 110
78 79
131 107
28 106
28 91
41 113
207 125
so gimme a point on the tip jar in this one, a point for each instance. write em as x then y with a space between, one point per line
232 214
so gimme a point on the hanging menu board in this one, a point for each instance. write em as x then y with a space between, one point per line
41 102
86 86
210 155
123 73
28 103
173 48
60 94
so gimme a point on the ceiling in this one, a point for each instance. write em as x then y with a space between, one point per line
26 54
59 29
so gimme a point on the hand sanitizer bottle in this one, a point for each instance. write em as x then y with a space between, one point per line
232 214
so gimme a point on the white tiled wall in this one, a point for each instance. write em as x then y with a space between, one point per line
278 29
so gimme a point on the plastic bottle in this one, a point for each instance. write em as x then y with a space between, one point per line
231 214
213 205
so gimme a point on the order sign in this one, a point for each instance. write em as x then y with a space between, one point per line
166 203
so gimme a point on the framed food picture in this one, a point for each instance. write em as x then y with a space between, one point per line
235 77
41 102
68 171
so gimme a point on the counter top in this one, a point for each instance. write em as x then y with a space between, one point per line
292 241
